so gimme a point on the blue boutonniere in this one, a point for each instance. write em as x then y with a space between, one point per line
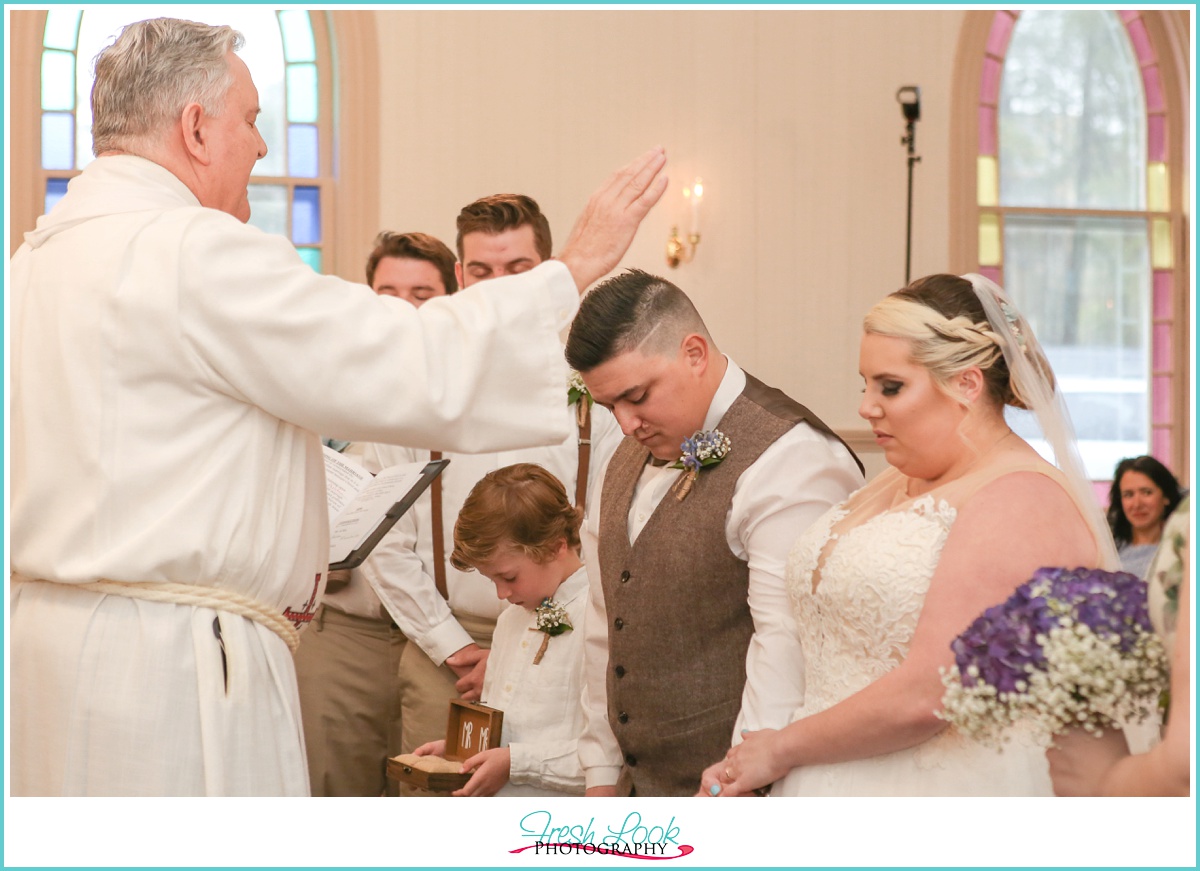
704 448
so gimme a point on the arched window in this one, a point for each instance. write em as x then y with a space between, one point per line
1078 211
287 52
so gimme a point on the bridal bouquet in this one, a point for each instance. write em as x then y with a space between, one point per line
1070 648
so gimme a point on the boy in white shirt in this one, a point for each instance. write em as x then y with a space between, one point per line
519 529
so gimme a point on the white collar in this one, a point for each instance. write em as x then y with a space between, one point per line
572 587
731 387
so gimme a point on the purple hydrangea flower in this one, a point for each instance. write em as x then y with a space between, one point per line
1003 643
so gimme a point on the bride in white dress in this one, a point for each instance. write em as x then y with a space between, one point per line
884 582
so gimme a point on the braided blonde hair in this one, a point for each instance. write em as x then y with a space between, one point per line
941 317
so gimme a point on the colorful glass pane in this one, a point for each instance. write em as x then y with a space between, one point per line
302 151
1162 444
992 273
1162 255
989 240
1158 196
56 189
1161 392
306 215
58 140
1140 40
58 81
1160 348
1156 137
296 28
1164 294
62 28
989 184
1002 26
987 130
1154 91
311 256
989 88
302 93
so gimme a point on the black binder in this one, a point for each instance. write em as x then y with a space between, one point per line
355 558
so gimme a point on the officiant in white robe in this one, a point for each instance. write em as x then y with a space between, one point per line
170 367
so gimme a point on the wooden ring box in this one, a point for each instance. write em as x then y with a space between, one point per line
470 729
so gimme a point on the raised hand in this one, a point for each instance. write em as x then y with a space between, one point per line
605 230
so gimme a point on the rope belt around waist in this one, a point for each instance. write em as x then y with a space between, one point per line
204 597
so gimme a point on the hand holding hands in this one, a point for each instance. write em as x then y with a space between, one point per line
746 768
492 769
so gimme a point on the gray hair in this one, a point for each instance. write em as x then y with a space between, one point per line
153 70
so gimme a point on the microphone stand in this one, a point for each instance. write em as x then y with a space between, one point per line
910 140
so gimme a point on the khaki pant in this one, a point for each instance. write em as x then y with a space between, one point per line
347 670
426 690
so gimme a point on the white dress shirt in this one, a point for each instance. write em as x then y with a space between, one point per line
793 482
542 715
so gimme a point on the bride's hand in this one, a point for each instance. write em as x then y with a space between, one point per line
746 768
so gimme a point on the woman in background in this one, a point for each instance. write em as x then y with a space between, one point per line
1143 495
1081 764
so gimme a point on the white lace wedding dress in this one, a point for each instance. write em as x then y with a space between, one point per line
872 559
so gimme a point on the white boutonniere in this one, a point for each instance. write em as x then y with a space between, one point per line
550 618
704 448
578 395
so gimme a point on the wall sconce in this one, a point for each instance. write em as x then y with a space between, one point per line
678 250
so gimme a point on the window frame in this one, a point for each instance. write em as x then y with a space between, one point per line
983 40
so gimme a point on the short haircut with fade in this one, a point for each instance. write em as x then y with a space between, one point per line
631 311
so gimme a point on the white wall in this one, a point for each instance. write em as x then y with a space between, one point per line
789 116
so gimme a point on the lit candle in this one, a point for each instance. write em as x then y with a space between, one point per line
697 191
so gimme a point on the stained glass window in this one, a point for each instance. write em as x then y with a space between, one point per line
1071 183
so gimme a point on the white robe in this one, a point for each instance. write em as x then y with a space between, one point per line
170 367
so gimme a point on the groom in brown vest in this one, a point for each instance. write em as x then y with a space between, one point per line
690 592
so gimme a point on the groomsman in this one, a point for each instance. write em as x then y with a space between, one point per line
691 595
447 615
411 266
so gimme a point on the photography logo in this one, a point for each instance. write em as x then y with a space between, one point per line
632 839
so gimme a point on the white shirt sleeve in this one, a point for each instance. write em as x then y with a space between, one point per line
397 574
795 481
448 375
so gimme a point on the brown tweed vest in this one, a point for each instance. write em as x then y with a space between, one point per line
678 619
